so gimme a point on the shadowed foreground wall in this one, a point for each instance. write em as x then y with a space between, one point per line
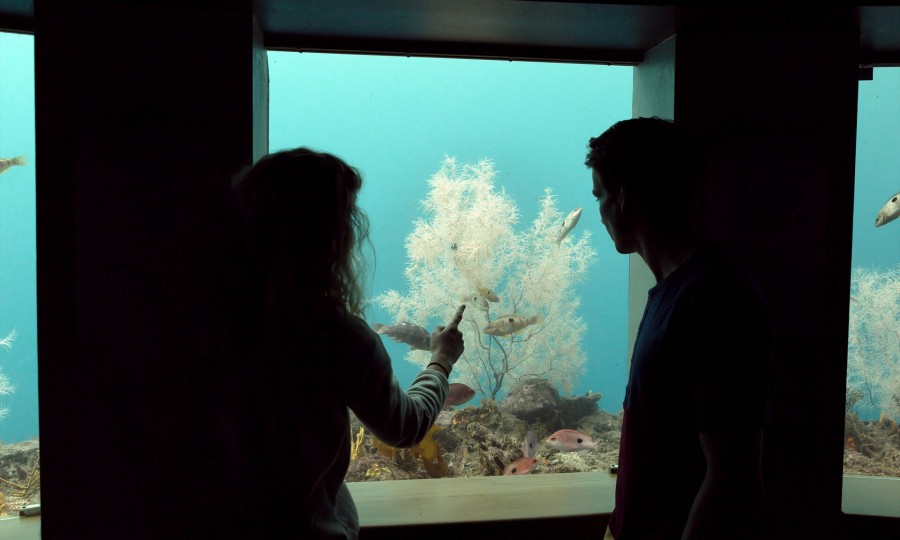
144 111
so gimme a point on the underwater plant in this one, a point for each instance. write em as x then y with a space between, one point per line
521 318
873 345
6 387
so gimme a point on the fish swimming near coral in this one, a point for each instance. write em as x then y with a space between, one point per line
509 324
526 463
459 393
570 440
529 447
568 224
412 334
476 300
523 465
889 212
5 164
488 294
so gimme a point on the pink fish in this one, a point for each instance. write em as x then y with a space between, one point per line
523 465
570 440
459 393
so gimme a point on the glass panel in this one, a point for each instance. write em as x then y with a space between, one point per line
19 464
872 443
471 168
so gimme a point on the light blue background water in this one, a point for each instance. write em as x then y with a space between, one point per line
18 279
395 118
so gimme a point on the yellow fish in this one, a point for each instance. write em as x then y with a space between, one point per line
509 324
5 164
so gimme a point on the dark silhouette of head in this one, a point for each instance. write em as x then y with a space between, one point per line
654 163
302 237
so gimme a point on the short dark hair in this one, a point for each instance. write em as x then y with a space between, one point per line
653 160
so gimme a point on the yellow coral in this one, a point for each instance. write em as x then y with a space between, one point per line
886 422
384 450
377 472
356 447
430 455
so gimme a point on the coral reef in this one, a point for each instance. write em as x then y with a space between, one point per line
20 475
6 387
871 448
873 357
356 445
483 440
467 249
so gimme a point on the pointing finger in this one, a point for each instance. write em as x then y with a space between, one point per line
458 316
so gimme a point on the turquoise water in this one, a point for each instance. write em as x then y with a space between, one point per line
878 249
18 280
396 118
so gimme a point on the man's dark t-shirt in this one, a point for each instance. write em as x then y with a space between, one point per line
701 364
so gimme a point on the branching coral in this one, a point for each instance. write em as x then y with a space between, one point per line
6 387
467 248
357 445
873 346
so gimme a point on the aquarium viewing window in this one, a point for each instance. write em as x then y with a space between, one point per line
19 443
872 412
476 189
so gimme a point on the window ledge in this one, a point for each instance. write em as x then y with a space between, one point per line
871 496
478 499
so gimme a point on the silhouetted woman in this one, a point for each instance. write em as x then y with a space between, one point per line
297 355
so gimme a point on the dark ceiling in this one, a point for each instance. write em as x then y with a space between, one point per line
521 29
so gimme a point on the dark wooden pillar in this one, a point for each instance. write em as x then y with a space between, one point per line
144 112
775 102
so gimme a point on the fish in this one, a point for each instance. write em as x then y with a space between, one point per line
412 334
889 212
529 447
459 393
5 164
488 294
509 324
570 440
476 300
568 224
523 465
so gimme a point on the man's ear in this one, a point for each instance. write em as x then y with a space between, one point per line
621 201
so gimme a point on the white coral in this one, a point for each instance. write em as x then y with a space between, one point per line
6 386
467 241
873 345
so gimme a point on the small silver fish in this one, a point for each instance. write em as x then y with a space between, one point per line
529 447
509 324
568 224
412 334
476 300
488 294
5 164
889 212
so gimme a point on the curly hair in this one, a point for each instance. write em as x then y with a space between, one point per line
303 234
